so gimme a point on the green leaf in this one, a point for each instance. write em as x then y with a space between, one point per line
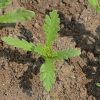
47 74
39 48
51 26
67 53
95 4
4 3
19 43
18 15
44 51
98 84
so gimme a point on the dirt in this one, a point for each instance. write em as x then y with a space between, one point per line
76 77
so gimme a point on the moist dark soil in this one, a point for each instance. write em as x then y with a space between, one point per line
76 77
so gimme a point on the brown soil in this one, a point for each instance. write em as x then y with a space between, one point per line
76 77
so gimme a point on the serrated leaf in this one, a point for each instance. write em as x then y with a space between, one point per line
51 26
67 53
19 43
98 84
95 4
39 48
4 3
47 74
18 15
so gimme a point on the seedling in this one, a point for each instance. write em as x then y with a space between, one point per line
95 4
47 70
17 15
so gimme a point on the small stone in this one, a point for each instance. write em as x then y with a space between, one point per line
94 69
37 25
25 68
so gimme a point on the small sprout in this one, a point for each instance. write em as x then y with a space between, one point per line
47 70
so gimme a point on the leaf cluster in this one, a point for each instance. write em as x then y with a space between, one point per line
47 70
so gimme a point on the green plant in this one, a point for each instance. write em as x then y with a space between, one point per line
17 15
47 70
4 3
95 4
98 84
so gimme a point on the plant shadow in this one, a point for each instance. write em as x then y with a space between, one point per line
5 25
25 82
92 89
86 41
33 67
25 34
72 28
16 56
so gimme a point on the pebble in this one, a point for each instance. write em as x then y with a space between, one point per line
25 68
36 25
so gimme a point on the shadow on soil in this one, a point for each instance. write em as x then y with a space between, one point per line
15 56
25 34
33 67
86 41
83 38
3 25
25 82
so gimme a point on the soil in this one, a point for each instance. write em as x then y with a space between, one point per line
76 77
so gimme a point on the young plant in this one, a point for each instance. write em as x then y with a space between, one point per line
47 70
18 15
95 4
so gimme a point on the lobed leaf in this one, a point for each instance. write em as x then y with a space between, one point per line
95 4
51 26
47 74
4 3
67 53
19 43
18 15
